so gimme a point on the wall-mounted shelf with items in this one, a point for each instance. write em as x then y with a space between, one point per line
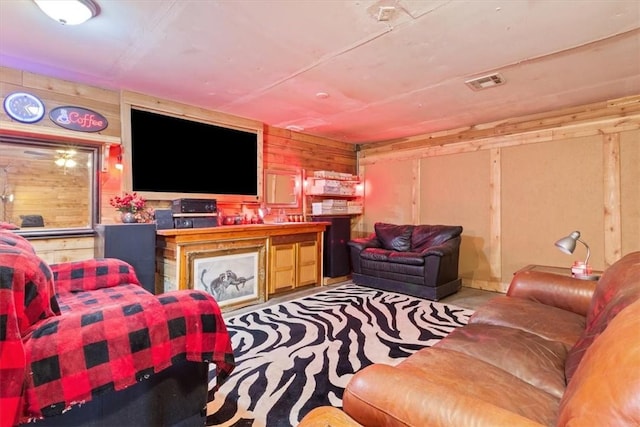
333 193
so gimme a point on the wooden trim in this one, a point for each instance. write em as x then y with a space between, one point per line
416 191
612 195
53 134
187 111
495 218
620 113
453 145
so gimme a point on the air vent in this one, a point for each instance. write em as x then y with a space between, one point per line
385 13
485 82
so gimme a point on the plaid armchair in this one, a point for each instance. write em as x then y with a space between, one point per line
71 332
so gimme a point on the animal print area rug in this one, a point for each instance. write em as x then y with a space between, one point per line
294 356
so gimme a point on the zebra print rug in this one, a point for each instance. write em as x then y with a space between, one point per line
294 356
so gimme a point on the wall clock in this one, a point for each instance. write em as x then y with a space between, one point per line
24 107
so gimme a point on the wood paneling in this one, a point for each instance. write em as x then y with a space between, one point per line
281 148
549 174
453 187
629 191
548 191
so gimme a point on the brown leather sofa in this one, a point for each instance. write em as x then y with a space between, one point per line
418 260
553 351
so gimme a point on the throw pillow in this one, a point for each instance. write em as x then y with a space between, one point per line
394 237
427 236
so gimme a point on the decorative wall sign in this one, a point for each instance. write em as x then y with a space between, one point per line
78 118
24 107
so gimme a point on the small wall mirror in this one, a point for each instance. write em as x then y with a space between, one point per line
282 188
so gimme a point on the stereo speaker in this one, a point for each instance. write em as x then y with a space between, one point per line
336 252
164 219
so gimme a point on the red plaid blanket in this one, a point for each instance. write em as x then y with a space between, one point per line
107 334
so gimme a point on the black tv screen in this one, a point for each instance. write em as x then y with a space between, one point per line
182 157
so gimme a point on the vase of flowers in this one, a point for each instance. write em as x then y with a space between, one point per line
128 217
132 208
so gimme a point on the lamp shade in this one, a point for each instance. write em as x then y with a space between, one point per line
68 12
568 244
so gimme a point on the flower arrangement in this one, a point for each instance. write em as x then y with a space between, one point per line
132 203
129 202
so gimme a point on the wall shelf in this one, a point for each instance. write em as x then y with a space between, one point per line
333 193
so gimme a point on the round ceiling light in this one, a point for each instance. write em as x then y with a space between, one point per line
68 12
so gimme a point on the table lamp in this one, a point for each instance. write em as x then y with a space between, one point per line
581 270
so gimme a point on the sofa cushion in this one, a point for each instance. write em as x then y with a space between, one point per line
411 258
618 287
605 387
394 237
375 254
533 359
467 375
426 236
549 322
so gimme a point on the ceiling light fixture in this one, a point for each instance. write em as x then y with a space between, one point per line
68 12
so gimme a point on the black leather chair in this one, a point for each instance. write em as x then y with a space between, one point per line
418 260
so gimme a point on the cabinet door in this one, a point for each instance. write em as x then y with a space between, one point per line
307 263
283 267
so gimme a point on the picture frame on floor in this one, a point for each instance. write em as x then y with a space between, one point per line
234 277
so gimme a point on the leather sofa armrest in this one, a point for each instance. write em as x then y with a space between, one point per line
357 245
407 399
365 242
564 292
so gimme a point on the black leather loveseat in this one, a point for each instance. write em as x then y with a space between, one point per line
419 260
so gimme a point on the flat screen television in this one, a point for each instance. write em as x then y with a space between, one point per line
173 157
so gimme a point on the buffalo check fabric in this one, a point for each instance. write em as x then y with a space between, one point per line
26 297
109 334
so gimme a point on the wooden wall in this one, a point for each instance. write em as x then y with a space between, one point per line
281 148
516 186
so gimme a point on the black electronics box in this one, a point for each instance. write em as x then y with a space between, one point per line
195 222
179 206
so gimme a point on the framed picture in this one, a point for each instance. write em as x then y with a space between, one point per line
235 277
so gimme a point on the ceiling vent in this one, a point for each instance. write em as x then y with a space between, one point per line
385 13
485 82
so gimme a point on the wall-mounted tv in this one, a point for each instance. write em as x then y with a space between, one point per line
173 157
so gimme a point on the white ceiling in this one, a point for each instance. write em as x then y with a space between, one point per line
268 59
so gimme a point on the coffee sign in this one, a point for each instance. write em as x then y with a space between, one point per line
78 118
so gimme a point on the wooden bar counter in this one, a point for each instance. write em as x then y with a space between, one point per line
287 256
